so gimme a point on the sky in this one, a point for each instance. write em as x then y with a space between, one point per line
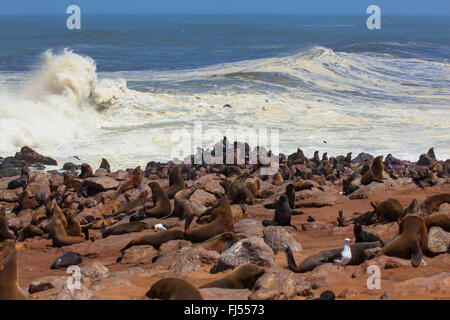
350 7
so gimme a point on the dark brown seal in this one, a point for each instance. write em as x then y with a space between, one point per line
174 289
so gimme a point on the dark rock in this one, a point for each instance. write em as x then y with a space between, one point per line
362 158
29 155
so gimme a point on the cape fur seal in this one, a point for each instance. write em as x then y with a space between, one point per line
86 171
441 220
328 256
243 277
220 242
253 184
123 228
290 193
411 242
277 179
9 286
54 211
25 202
221 221
105 165
162 207
156 239
283 212
134 182
237 190
176 182
131 205
375 172
59 236
432 203
388 210
22 181
174 289
185 207
363 236
29 231
5 233
67 259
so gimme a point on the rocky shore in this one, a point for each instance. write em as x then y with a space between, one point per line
96 207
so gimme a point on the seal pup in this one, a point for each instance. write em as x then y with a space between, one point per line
155 239
163 207
86 171
67 259
282 216
22 181
243 277
375 172
328 256
221 221
432 203
174 289
9 285
123 228
134 182
363 236
176 182
59 236
290 193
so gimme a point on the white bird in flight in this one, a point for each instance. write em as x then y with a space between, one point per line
345 255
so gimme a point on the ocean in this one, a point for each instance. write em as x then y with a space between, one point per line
129 88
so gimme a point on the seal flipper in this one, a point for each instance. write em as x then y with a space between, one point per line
244 208
188 222
103 229
296 213
290 259
267 223
416 255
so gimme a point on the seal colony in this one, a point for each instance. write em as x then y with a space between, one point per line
219 210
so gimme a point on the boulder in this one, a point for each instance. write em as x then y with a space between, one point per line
249 228
437 285
32 157
275 284
101 183
95 271
438 240
279 239
248 250
186 260
224 294
173 245
138 255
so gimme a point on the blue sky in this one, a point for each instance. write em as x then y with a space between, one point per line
391 7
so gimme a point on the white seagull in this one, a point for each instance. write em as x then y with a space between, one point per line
345 256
